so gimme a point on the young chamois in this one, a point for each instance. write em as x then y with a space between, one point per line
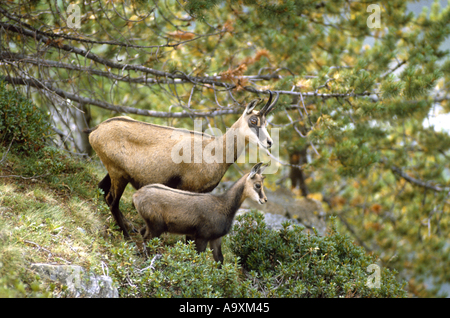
141 153
203 216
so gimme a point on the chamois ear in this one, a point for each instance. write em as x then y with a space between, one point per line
254 170
251 105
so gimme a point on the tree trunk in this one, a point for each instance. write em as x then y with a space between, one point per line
297 175
83 120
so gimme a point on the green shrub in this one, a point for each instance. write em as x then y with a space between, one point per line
16 281
180 272
22 121
13 285
290 263
267 263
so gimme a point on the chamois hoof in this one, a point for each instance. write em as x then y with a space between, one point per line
133 230
130 227
127 236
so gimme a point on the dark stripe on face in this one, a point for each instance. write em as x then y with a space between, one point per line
256 126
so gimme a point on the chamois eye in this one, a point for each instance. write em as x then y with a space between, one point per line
257 186
253 121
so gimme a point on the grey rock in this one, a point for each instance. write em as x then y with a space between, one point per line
80 284
283 205
274 221
308 212
81 230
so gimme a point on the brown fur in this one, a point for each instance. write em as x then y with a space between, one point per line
140 153
204 217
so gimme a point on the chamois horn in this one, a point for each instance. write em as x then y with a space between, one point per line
269 106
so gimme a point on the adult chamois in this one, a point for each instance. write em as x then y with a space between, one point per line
203 216
141 153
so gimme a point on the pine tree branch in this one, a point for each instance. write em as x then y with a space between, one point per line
416 181
144 112
327 200
21 58
350 228
175 75
413 180
15 57
18 18
116 108
400 64
6 153
89 55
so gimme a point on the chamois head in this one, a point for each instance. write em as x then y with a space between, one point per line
253 123
254 184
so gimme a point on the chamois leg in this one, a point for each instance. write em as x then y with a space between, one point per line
105 185
146 236
216 246
200 244
117 189
154 226
149 231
